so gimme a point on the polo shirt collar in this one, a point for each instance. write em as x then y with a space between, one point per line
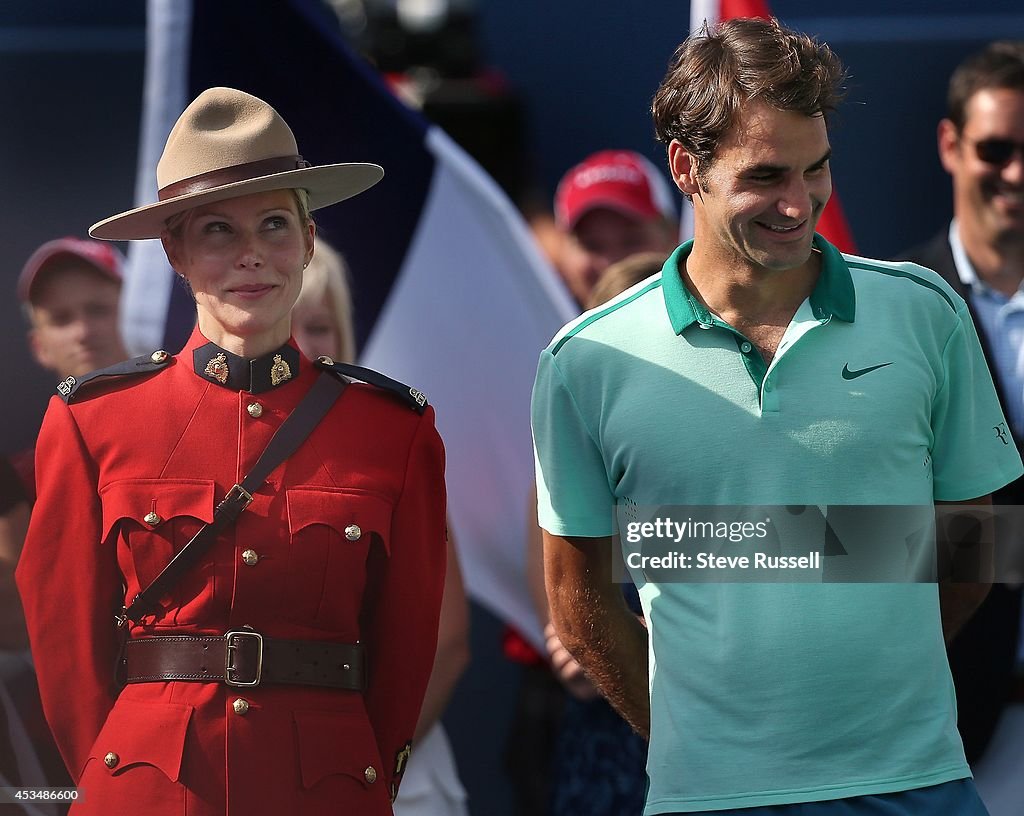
833 294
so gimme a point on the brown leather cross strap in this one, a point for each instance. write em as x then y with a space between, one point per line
245 658
231 175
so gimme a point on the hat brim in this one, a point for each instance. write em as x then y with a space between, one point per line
631 211
326 184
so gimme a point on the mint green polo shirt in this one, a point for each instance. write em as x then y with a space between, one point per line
765 694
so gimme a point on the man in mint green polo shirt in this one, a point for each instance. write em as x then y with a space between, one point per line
762 367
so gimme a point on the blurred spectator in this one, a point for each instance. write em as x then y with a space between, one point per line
322 324
574 754
70 290
613 204
981 255
322 318
623 274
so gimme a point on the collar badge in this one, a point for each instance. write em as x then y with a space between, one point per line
279 371
217 369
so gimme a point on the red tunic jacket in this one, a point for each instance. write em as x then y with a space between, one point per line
172 444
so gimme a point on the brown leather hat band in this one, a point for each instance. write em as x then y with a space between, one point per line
231 175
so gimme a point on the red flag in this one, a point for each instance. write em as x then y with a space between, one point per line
727 9
833 224
834 227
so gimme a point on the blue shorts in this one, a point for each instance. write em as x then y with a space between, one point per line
959 798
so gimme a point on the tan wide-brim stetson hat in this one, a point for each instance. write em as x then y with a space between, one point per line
226 144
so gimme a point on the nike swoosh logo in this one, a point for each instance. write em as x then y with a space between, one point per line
852 375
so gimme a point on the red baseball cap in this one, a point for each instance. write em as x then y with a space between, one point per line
102 256
619 180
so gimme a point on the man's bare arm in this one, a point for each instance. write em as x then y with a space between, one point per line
590 616
966 555
566 668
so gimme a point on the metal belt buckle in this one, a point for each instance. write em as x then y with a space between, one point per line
230 647
239 492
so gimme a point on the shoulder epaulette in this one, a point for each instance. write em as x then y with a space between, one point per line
145 364
413 398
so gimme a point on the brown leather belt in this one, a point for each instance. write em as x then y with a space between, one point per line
245 658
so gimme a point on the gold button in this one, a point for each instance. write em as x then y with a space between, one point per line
370 774
159 356
353 533
241 706
255 410
324 360
111 760
152 518
250 557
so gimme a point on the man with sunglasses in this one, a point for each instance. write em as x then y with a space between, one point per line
981 255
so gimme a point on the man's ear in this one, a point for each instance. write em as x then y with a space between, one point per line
683 166
949 145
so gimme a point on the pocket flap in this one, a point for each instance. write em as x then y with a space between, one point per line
136 498
143 733
337 742
340 509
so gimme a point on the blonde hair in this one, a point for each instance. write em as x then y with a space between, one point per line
326 278
618 277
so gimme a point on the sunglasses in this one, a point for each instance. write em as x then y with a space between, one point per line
997 152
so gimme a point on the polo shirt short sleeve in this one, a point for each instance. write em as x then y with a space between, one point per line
571 473
971 438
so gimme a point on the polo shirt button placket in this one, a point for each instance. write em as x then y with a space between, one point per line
769 396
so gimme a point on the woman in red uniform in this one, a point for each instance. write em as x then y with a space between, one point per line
329 581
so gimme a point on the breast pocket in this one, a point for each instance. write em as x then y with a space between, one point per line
153 519
331 534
